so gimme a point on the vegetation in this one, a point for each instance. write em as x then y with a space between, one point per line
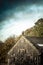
39 27
7 45
37 30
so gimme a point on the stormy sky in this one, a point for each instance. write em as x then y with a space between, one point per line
18 15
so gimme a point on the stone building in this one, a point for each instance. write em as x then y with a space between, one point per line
30 47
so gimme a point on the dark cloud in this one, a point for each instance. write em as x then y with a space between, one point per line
9 4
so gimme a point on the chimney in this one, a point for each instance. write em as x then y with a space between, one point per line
23 33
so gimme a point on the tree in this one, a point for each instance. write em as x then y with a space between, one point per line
39 27
36 30
6 47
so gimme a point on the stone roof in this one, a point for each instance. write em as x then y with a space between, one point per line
36 41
